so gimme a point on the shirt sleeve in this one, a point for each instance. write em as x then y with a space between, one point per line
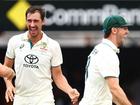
109 66
57 55
10 53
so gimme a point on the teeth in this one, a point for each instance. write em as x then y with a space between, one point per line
33 29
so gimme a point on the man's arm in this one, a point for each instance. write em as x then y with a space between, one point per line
62 84
6 72
119 96
9 94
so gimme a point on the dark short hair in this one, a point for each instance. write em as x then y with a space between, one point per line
33 9
107 33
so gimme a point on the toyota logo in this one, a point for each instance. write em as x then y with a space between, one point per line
31 59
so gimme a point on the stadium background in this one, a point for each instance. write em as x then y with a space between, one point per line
76 25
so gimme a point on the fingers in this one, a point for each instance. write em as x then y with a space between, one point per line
74 101
6 97
9 95
74 96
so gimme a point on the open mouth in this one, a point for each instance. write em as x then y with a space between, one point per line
33 30
125 36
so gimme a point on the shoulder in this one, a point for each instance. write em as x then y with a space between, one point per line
105 51
53 42
17 37
49 40
104 47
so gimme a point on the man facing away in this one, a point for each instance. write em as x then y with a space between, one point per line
37 60
102 69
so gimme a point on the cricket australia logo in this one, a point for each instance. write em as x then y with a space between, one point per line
31 61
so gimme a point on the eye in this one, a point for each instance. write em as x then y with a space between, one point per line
36 21
29 21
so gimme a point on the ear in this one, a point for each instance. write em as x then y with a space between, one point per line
114 30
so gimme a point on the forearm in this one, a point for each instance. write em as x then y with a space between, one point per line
62 83
2 70
9 74
119 97
60 80
6 72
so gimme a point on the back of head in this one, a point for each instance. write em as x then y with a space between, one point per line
113 21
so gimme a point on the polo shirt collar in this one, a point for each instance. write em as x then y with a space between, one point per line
110 44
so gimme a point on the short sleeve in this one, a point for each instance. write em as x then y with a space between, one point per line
109 66
10 53
57 55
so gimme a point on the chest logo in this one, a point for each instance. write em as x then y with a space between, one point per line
31 59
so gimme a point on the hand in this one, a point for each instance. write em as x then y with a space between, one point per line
74 95
10 91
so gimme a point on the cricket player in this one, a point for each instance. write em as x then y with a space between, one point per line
102 69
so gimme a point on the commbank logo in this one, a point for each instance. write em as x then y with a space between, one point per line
31 59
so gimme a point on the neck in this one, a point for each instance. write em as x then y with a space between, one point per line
113 39
35 39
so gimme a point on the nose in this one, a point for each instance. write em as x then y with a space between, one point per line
32 24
